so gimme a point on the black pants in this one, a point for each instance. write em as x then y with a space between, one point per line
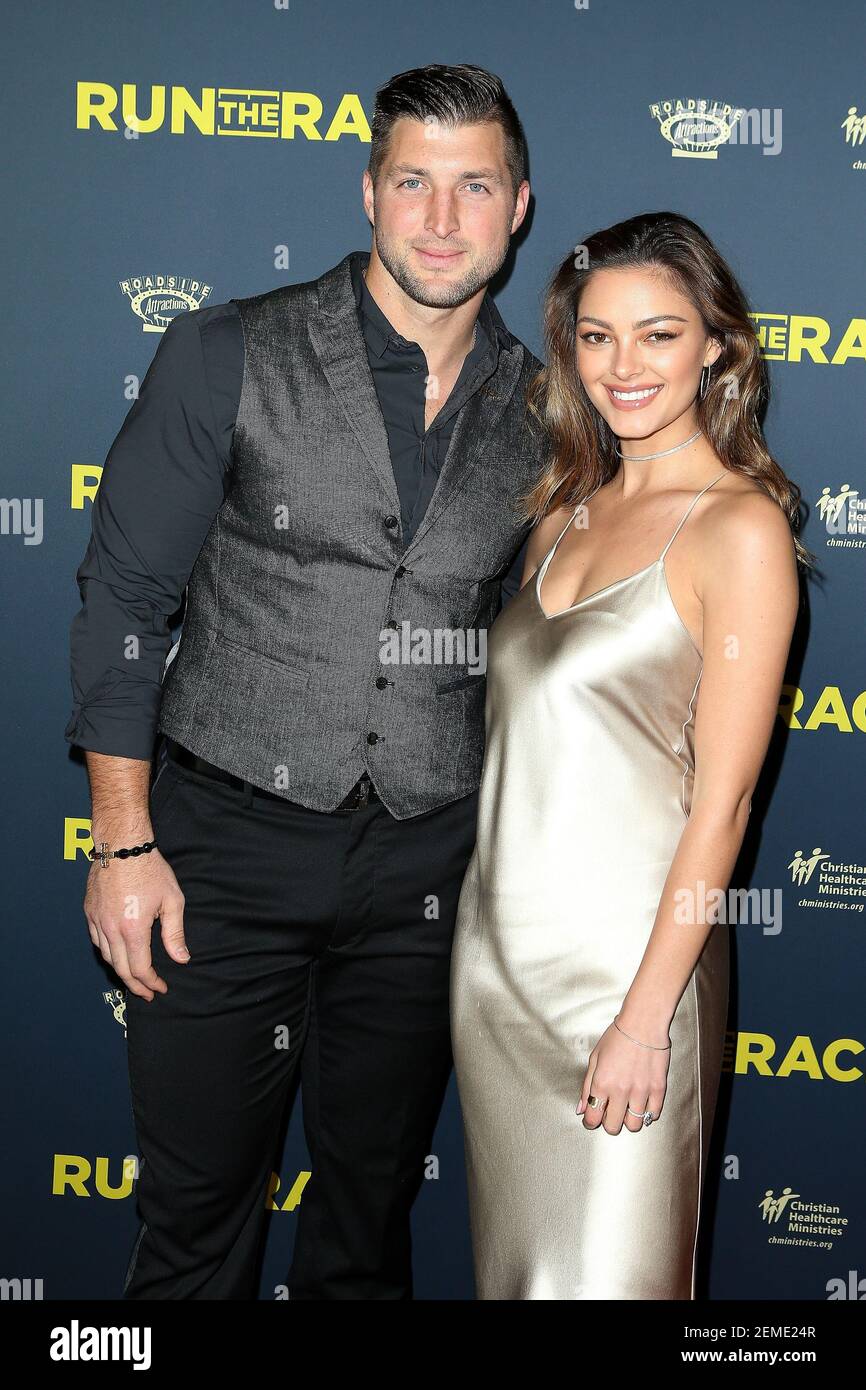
317 940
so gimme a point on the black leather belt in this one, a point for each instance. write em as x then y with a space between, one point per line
361 794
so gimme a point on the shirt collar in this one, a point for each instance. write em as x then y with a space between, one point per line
379 332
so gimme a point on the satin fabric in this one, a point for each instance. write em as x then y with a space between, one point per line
585 791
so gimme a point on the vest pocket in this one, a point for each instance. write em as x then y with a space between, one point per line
291 672
461 683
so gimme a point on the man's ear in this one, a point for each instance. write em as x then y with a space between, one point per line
368 196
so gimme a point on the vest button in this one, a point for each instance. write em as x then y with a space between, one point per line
372 738
400 571
390 522
381 682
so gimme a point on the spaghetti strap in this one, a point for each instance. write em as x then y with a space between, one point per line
695 499
549 555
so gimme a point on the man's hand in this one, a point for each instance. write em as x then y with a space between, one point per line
122 901
120 905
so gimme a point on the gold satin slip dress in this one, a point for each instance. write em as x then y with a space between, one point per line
585 790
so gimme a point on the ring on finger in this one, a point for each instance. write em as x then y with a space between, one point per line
646 1116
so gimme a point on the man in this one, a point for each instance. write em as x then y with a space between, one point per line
328 469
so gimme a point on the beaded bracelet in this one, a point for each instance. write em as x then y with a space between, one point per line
103 854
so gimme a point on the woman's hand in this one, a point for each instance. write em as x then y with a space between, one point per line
623 1074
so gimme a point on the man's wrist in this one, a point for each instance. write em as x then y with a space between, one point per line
122 833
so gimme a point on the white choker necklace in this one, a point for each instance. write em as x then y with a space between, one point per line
663 453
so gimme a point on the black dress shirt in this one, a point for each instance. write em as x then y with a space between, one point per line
167 474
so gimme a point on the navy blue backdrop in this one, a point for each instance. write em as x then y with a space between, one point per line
246 174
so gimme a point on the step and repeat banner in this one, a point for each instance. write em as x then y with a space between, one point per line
168 156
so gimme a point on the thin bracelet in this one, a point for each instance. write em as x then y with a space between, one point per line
655 1047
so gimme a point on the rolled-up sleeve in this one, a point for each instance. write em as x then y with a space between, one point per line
163 481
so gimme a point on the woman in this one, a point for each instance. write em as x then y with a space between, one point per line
589 1003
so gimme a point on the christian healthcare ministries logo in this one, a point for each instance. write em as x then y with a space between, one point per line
843 513
156 299
828 882
854 127
793 1221
696 128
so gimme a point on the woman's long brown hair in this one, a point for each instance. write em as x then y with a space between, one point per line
581 445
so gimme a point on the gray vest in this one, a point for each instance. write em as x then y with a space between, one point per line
315 645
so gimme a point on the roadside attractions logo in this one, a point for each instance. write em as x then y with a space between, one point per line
157 299
694 127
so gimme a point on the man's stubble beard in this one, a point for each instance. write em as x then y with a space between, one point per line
446 296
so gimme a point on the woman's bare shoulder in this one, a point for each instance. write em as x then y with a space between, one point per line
542 537
744 528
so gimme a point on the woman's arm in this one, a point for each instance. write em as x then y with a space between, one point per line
746 578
